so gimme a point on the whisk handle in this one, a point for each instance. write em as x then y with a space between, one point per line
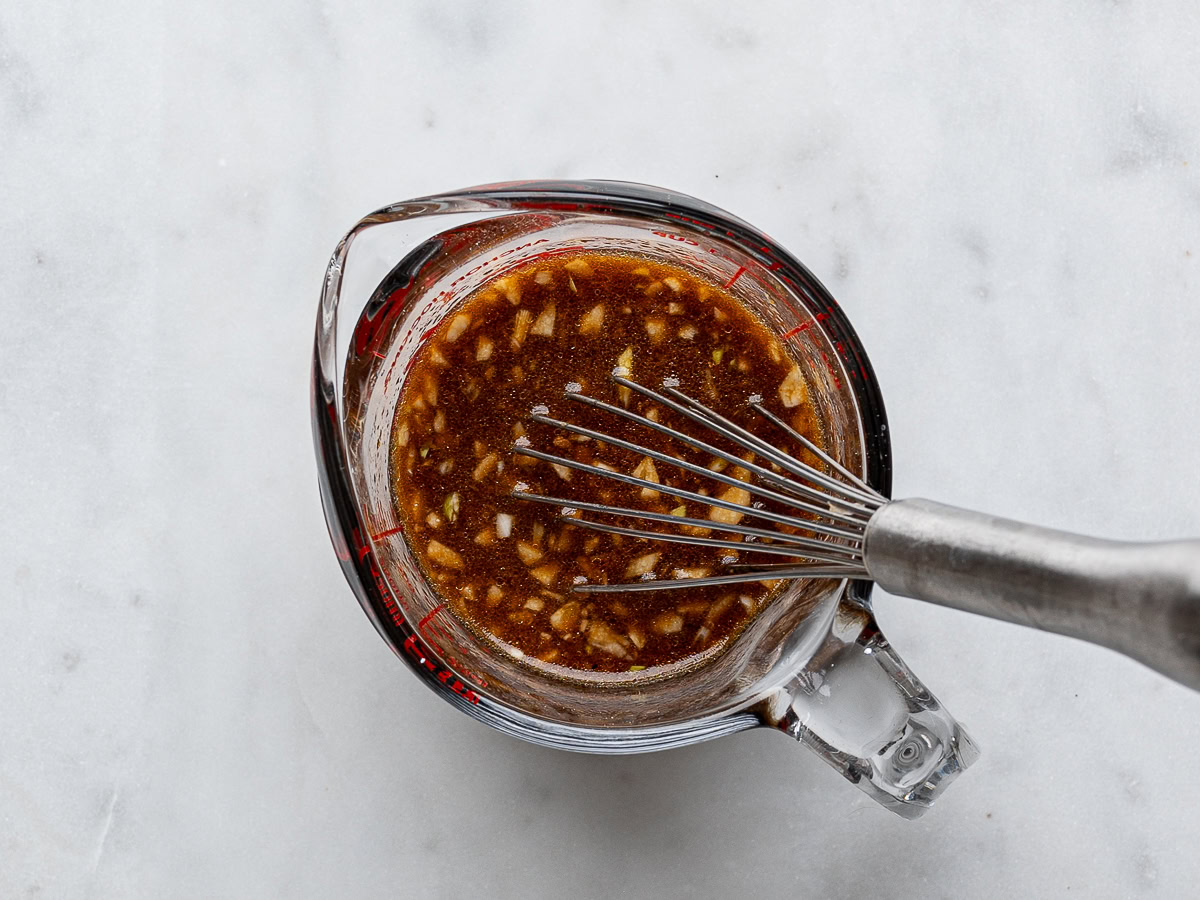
1142 599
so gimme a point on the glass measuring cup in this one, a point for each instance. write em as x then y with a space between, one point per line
813 664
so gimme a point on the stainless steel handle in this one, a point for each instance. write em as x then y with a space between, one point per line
1142 600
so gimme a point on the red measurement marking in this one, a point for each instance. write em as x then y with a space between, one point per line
433 612
384 534
398 611
837 382
461 240
414 649
795 331
676 237
389 603
377 353
736 276
557 207
691 221
434 631
362 547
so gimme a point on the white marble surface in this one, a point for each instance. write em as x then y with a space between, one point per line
1005 197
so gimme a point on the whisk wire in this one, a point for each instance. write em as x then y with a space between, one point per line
757 490
698 412
733 578
751 511
814 449
762 472
845 505
740 546
779 537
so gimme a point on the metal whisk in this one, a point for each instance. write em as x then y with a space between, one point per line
1139 599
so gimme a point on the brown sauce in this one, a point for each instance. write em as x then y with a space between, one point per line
506 567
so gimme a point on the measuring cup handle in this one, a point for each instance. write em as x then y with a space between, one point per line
864 712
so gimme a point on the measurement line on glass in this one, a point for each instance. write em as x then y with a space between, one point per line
387 533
